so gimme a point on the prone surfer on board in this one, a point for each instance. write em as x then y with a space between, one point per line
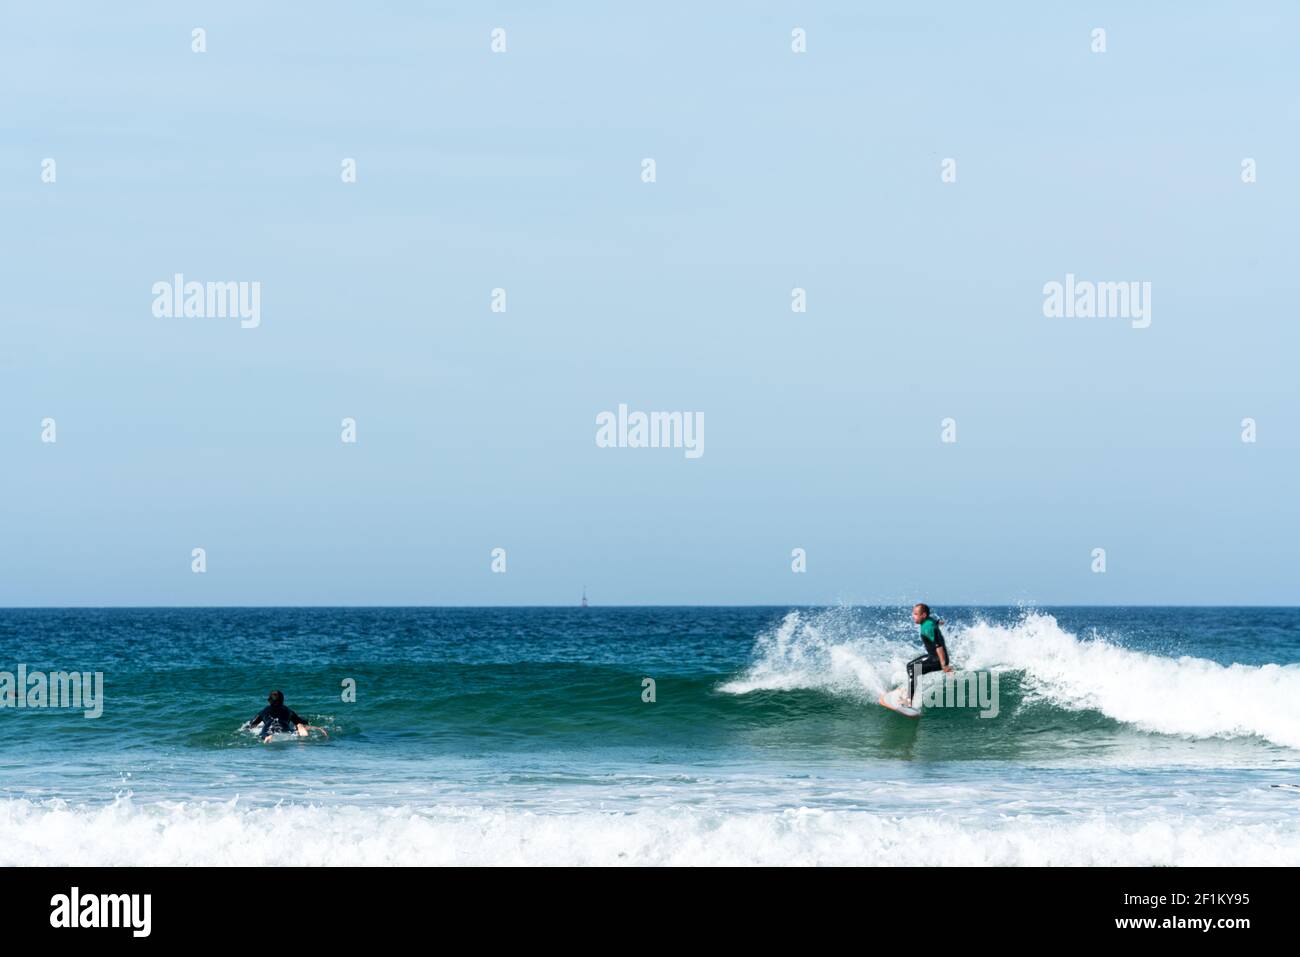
936 653
276 717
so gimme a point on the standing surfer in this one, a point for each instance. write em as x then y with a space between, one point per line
936 653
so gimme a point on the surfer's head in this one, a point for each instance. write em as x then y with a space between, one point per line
276 697
920 612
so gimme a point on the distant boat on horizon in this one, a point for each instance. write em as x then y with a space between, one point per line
584 596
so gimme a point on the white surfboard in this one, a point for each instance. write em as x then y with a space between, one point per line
891 700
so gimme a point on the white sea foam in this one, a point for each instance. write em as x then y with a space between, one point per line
1185 696
1190 697
827 651
125 833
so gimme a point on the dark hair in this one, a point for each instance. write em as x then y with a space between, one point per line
923 606
276 697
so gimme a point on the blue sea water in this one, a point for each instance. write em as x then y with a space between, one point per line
524 735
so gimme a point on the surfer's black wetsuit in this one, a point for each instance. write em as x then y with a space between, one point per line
276 717
924 664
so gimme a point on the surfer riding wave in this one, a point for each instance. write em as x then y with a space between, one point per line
936 652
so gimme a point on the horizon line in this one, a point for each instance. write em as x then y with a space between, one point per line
579 607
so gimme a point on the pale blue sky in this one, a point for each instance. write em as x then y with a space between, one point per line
775 170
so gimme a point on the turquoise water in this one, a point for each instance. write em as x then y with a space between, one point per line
1122 735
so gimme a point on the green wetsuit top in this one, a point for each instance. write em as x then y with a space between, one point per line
933 638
